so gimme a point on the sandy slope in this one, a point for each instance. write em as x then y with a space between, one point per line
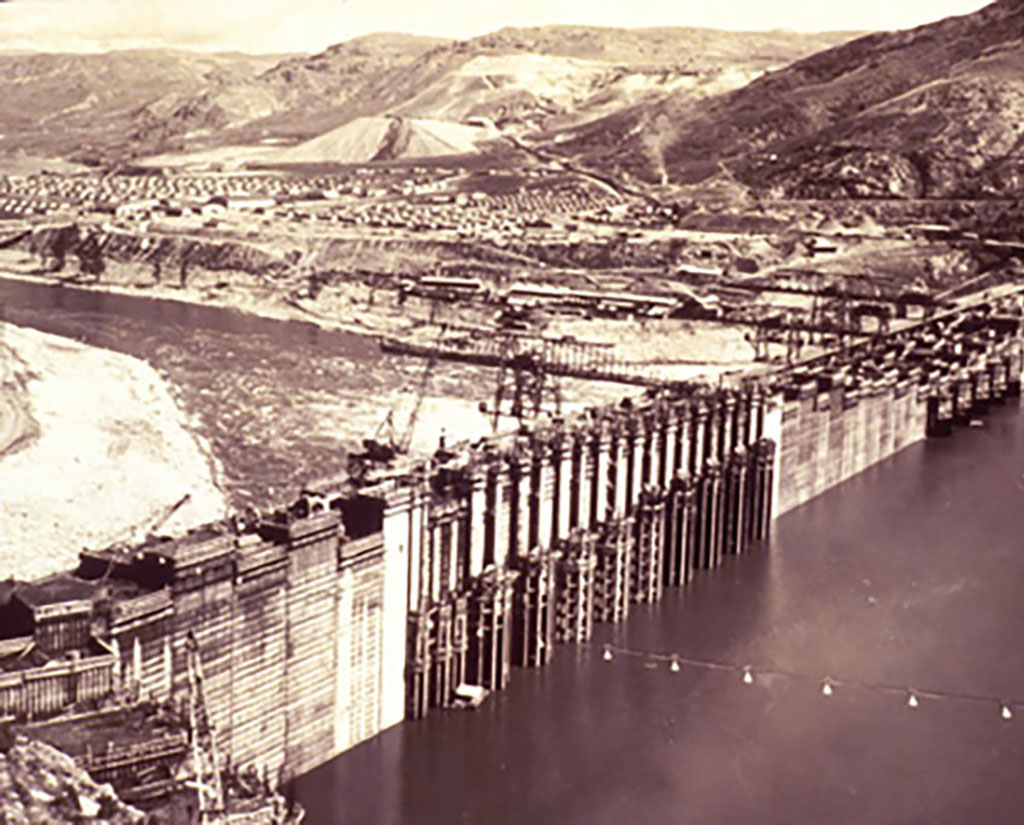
366 138
111 454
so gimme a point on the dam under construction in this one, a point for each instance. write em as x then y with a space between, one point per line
321 624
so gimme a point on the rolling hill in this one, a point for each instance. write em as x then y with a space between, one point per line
935 111
287 99
125 104
82 104
532 78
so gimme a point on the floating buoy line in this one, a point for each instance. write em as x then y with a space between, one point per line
829 686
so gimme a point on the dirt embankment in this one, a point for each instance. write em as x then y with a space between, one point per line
170 256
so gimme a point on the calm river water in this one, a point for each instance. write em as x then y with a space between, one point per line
910 574
280 403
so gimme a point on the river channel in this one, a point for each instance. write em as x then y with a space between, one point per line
280 403
908 576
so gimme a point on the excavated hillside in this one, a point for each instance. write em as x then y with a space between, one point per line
933 111
174 255
521 77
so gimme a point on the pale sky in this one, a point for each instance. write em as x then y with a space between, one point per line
311 25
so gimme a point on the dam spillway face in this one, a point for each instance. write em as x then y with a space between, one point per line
527 541
326 622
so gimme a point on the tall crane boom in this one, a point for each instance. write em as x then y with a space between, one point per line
205 761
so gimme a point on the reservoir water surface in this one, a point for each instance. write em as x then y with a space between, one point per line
908 577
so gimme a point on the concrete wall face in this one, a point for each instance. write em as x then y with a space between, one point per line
301 637
836 423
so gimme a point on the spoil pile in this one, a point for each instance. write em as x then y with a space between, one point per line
387 138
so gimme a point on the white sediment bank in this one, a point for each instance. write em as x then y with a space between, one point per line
110 457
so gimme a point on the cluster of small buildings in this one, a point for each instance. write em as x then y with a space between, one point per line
136 193
564 199
412 199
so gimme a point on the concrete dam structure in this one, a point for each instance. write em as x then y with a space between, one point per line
358 607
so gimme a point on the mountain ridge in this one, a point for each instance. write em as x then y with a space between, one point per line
237 99
886 115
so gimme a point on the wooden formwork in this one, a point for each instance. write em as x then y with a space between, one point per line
489 626
646 558
611 577
533 612
575 568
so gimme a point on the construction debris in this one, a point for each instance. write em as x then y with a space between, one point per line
40 785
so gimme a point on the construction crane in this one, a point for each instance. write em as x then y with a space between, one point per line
205 762
387 442
528 365
524 380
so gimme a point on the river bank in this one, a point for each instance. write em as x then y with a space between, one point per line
282 402
354 306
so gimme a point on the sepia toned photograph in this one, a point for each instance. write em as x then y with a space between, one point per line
536 413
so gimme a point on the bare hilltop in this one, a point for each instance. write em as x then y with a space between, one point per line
934 111
123 105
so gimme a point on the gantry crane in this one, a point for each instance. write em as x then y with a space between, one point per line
528 366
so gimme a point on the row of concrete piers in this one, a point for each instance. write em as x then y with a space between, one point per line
972 373
575 522
525 543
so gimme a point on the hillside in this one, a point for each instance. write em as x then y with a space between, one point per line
933 111
545 77
288 98
81 104
126 104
